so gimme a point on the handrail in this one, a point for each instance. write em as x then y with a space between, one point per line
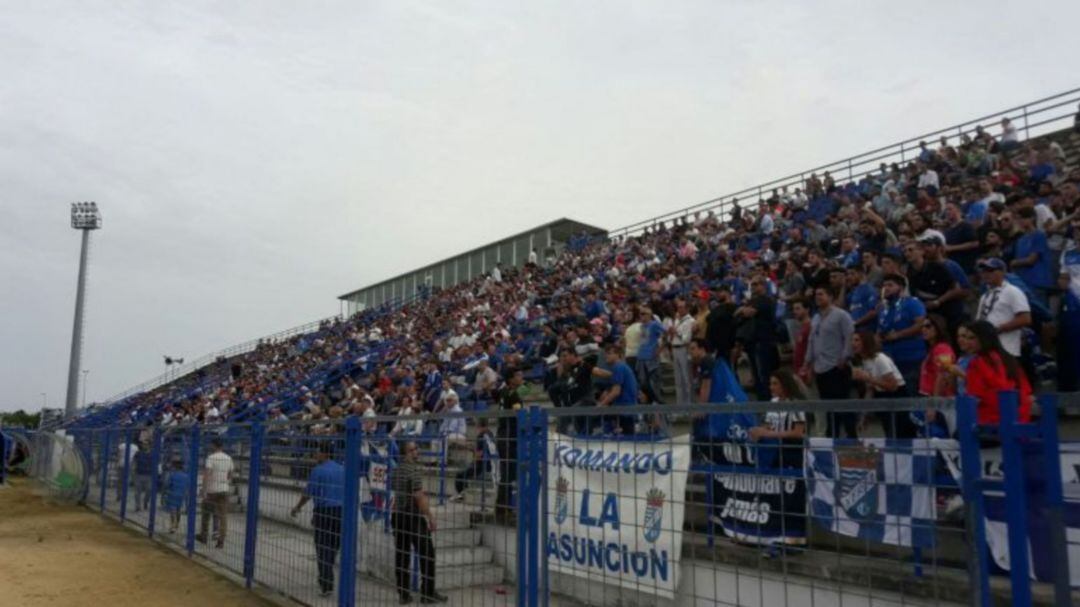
235 350
899 150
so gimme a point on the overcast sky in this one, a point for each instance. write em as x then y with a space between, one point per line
254 163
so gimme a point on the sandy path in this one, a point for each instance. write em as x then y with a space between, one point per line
66 555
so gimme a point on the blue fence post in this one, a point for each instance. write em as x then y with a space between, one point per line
193 489
540 429
155 480
523 443
350 513
971 472
1055 499
252 521
125 475
105 448
3 457
1016 511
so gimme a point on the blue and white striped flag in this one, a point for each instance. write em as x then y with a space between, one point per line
873 489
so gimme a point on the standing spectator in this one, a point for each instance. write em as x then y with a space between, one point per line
413 523
800 310
632 338
176 491
1010 140
1003 305
216 483
717 385
932 282
510 402
720 334
1031 259
648 362
123 449
623 390
827 356
881 379
762 351
326 486
144 472
900 327
682 333
991 370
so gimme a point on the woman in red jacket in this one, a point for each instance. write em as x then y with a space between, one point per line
991 370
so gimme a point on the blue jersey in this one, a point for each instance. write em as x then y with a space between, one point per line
896 316
861 301
1036 276
622 376
326 485
650 343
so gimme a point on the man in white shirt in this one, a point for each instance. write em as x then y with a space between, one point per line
533 258
120 450
1003 305
681 335
216 482
929 179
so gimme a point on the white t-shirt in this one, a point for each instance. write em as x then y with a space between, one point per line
218 468
131 454
881 366
999 305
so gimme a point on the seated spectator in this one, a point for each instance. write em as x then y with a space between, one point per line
487 380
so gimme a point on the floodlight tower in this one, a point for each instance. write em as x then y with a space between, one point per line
86 217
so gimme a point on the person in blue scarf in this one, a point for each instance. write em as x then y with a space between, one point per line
727 425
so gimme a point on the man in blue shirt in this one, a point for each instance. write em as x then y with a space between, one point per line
900 320
326 486
862 298
1031 260
623 390
648 359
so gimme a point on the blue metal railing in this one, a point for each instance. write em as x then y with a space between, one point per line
1038 117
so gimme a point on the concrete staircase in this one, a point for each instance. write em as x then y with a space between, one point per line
462 560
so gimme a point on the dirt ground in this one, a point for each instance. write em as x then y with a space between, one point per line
66 555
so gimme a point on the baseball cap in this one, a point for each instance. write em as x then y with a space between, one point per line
932 240
992 263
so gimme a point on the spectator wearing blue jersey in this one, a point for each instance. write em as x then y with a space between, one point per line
648 359
861 300
623 390
961 240
716 385
900 319
176 493
1069 319
326 487
1031 256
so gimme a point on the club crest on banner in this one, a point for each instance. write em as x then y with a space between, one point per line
562 500
856 489
654 514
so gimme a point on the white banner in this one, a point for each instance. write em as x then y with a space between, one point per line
615 510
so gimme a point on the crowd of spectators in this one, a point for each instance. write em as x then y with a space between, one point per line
926 278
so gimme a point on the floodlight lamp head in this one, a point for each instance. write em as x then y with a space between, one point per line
85 216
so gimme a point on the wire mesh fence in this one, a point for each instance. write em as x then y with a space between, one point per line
748 504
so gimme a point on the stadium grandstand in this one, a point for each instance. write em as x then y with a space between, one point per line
920 236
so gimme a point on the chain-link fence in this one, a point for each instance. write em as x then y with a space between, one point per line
785 503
